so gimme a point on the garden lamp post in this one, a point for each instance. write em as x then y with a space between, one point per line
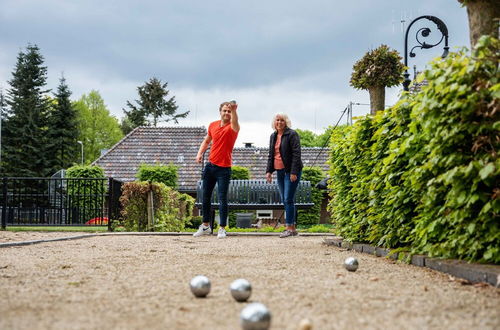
81 144
424 32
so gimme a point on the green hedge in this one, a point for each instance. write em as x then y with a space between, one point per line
166 174
424 175
87 196
172 210
312 215
237 173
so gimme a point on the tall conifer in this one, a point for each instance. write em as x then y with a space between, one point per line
62 131
23 141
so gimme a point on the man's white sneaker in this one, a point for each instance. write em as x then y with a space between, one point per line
221 233
202 230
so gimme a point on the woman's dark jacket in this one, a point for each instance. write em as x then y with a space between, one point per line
289 150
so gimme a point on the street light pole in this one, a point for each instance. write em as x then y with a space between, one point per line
81 144
424 32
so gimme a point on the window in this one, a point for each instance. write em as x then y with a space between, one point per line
264 214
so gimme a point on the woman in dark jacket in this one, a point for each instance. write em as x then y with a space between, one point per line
284 158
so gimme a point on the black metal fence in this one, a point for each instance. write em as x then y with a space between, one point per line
59 201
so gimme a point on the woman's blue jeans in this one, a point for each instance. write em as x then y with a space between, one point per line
287 192
213 174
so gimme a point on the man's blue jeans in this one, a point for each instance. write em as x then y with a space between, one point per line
287 192
213 174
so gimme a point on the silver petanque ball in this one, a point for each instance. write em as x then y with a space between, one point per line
351 264
240 289
255 316
200 286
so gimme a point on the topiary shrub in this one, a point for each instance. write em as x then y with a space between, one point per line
166 174
377 69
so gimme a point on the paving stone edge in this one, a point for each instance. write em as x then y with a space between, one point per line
475 273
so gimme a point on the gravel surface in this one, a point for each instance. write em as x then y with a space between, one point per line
142 282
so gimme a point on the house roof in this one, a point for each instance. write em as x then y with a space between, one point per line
179 146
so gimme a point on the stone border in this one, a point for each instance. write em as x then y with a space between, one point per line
22 243
472 272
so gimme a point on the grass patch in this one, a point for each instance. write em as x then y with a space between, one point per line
87 229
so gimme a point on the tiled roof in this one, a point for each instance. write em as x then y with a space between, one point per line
151 145
179 146
255 159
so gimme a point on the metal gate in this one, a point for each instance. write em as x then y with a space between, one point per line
59 201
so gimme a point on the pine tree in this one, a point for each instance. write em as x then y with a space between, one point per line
62 130
23 142
3 109
153 105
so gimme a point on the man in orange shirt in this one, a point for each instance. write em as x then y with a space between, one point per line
222 134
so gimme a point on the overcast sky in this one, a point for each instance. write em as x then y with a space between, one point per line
271 56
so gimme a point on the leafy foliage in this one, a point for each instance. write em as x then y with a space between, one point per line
424 174
85 171
379 67
172 210
98 128
166 174
310 139
237 173
84 194
312 215
240 173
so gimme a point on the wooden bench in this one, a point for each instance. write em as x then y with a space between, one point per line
255 195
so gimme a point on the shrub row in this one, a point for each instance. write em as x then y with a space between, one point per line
424 174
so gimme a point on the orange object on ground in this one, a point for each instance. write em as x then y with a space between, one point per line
97 221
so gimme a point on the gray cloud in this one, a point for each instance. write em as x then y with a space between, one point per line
292 54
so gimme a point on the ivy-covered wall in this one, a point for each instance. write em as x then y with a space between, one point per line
424 175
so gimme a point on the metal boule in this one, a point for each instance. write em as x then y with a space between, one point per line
255 316
351 264
305 324
240 289
200 286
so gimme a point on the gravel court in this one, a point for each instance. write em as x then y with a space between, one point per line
132 282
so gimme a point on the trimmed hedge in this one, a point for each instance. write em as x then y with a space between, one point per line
424 175
166 174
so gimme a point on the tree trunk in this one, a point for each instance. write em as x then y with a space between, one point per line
483 18
377 98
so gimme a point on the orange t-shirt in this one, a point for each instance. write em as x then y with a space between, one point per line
223 139
278 161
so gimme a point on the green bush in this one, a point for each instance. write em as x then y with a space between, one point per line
312 215
240 173
237 173
172 210
85 171
86 197
423 175
166 174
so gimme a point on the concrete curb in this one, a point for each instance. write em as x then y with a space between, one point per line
22 243
474 273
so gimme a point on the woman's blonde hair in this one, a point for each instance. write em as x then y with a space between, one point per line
285 118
